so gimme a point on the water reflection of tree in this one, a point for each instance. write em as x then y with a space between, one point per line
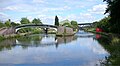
64 40
35 40
29 40
7 44
111 44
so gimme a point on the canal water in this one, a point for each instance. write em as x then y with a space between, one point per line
82 49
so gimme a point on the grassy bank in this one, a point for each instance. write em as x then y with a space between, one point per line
3 37
111 43
93 30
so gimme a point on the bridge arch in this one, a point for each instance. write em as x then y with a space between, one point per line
45 26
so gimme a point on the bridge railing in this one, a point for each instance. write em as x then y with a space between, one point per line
41 25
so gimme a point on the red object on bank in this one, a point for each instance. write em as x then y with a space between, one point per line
98 30
98 36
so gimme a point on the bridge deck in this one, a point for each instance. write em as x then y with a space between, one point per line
39 25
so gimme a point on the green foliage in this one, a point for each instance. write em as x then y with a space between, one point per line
74 25
13 24
114 13
112 45
1 25
2 38
21 30
8 23
56 21
31 30
103 24
67 24
24 21
24 30
36 21
37 31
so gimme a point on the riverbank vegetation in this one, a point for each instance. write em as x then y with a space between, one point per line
72 24
110 24
9 23
111 44
3 37
111 29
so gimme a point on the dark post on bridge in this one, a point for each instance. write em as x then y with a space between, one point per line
46 30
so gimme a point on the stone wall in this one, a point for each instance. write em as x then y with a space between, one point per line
66 30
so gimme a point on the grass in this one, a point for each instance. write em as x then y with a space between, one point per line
10 36
111 43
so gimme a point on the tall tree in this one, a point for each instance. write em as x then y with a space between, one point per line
56 21
114 13
36 21
24 21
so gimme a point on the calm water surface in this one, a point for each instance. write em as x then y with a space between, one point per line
82 49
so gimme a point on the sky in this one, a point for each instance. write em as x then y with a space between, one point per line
82 11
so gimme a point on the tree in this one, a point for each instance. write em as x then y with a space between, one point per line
8 23
67 24
1 24
36 21
13 24
114 13
74 25
103 24
56 21
24 21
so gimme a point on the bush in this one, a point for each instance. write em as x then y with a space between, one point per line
2 38
103 24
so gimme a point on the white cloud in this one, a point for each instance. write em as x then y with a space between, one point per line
46 19
98 9
86 17
20 8
1 13
57 8
3 16
38 1
11 8
46 9
81 18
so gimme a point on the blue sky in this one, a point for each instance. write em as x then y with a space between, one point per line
79 10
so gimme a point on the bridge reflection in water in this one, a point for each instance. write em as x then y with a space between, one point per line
37 41
40 40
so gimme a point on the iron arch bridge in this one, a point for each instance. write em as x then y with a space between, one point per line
82 25
45 26
85 24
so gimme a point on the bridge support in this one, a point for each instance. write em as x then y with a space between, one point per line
46 30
